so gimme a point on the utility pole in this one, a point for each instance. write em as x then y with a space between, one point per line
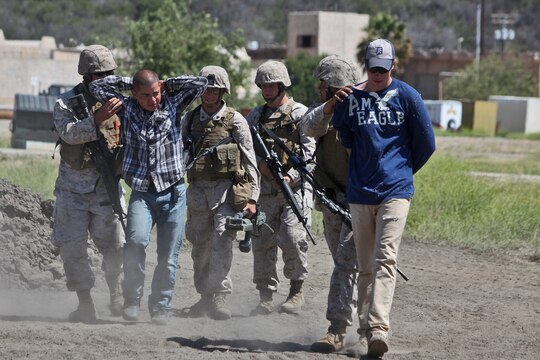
479 37
480 9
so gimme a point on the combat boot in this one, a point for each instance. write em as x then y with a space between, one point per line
266 306
201 307
334 340
130 312
85 313
115 291
295 300
219 310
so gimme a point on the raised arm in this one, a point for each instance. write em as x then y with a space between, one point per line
109 87
70 129
183 90
315 122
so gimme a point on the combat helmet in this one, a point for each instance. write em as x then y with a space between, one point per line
272 72
337 71
96 59
217 77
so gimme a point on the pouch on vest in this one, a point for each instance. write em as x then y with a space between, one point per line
227 159
75 156
241 191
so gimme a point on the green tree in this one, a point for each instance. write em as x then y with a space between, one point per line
495 77
172 40
305 87
387 26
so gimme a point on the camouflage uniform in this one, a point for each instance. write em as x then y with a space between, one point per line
289 234
210 191
82 205
342 294
208 205
334 72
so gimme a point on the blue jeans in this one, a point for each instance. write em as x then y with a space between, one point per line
165 209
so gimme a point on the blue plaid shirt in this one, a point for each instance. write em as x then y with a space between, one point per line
152 140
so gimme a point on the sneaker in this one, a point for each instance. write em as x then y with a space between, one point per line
85 313
358 349
160 317
131 311
377 345
201 307
330 343
219 310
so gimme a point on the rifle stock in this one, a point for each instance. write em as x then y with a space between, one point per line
277 172
111 182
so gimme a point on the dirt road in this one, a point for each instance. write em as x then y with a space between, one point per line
458 304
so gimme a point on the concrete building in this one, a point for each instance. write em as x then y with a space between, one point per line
31 66
325 32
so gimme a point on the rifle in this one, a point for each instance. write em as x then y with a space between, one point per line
301 166
277 171
102 157
189 143
240 222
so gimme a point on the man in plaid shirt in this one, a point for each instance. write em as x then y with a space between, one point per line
154 170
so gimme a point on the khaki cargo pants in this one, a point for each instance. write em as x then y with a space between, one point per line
377 233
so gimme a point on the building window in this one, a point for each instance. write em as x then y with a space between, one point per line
306 41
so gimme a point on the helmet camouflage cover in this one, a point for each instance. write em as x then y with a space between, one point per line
217 77
337 71
272 72
95 59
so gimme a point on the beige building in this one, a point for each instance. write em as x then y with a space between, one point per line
31 66
325 32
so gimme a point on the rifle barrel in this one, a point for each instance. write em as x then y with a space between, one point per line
277 170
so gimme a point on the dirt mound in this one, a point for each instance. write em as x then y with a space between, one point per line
28 260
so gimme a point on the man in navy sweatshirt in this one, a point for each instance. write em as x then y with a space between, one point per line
387 131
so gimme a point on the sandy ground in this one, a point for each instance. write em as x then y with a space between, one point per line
458 304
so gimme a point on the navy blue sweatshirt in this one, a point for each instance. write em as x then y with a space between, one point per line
390 136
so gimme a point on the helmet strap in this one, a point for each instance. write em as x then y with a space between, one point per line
281 90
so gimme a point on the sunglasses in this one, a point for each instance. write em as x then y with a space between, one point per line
378 70
104 73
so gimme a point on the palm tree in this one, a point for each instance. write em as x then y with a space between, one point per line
386 26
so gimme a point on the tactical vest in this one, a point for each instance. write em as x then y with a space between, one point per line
332 162
282 124
224 161
77 156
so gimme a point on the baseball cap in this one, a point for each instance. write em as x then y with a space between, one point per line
379 53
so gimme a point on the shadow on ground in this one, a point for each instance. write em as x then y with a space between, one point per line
246 346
